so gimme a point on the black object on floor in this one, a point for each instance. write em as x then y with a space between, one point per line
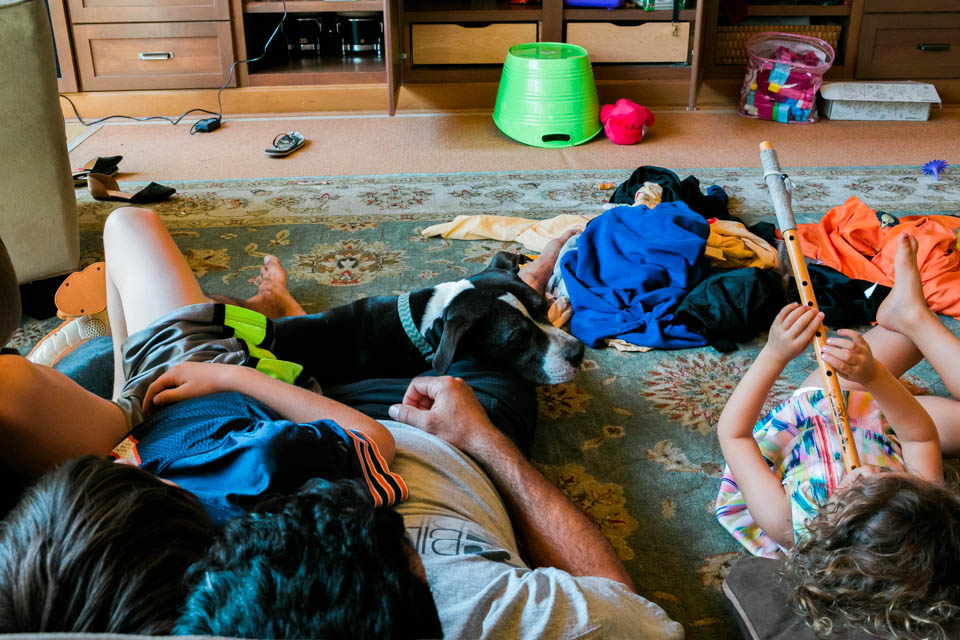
36 298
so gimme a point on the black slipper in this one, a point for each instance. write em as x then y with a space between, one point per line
106 188
107 166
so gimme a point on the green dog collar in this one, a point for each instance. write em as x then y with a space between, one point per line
406 319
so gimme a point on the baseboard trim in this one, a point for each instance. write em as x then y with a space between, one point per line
715 93
342 98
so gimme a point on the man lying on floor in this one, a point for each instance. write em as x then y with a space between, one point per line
235 436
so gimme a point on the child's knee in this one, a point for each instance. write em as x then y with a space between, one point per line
127 220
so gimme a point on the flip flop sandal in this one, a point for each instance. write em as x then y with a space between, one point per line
106 188
107 166
285 144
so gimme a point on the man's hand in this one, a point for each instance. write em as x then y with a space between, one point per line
189 380
852 358
791 332
445 407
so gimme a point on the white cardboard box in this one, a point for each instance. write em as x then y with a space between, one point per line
878 100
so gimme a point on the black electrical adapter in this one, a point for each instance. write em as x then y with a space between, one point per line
207 125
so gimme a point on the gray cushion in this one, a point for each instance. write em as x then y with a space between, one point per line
759 596
38 207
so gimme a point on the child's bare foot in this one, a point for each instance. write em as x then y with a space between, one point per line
905 306
272 298
537 273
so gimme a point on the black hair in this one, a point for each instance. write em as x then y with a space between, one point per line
324 563
96 546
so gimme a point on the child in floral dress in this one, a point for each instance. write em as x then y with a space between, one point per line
871 545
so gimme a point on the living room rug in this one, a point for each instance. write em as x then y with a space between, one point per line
632 440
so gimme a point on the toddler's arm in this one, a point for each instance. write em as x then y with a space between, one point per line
766 499
852 358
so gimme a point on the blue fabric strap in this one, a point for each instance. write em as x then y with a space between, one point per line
406 319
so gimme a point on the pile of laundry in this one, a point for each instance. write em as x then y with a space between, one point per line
670 268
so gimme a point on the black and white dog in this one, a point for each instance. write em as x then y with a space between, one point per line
492 317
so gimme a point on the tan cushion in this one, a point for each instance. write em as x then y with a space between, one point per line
38 209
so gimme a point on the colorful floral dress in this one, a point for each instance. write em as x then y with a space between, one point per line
800 443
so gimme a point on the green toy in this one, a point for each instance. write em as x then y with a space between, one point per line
547 97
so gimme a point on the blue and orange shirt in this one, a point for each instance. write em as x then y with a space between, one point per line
232 451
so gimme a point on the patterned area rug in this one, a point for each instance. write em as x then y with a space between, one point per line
633 439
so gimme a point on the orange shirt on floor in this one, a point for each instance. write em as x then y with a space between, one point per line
851 239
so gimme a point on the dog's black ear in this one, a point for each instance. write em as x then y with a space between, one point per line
508 261
453 329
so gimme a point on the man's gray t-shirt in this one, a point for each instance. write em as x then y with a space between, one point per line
483 589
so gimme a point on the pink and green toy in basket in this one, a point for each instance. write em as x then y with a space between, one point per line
783 76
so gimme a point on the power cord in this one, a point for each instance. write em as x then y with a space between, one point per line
200 126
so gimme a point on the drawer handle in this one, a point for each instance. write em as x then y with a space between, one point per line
934 46
155 55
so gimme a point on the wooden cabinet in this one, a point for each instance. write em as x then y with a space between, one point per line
470 43
645 42
254 21
840 21
625 44
66 71
153 55
921 43
151 44
87 11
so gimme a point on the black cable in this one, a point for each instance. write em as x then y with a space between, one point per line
175 121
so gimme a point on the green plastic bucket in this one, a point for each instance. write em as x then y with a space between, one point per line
547 97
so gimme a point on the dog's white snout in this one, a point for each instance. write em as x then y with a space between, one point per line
563 357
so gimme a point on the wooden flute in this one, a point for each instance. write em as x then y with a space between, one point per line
780 195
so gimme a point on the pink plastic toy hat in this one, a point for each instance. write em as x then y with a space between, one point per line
626 122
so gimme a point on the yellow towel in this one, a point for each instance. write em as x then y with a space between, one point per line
732 246
532 234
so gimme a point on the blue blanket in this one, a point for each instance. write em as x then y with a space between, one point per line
631 268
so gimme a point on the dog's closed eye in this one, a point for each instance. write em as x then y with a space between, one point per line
518 334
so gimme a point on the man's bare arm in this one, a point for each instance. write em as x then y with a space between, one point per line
554 531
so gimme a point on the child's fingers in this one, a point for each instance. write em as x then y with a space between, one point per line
786 309
793 319
807 324
857 340
841 366
840 343
838 353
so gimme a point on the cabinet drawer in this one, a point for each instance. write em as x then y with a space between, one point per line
165 55
899 6
459 44
923 45
84 11
647 42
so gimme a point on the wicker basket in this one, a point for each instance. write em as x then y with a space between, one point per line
732 41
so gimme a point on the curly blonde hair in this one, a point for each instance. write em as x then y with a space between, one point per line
883 555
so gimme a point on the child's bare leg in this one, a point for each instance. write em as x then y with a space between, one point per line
147 276
905 311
